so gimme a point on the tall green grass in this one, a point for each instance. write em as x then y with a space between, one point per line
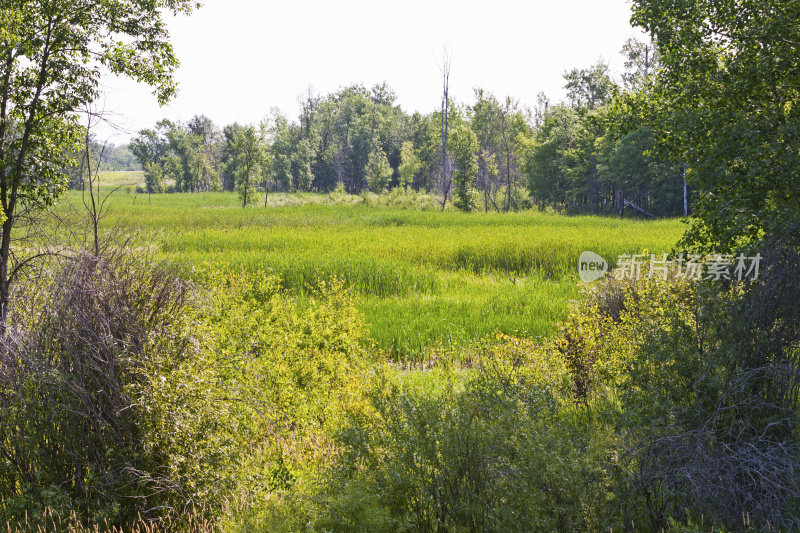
423 277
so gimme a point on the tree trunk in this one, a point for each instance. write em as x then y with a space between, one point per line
445 128
266 185
685 191
637 208
508 178
5 282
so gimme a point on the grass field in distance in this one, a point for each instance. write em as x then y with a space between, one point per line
423 278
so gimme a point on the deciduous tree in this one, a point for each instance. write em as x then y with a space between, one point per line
52 55
727 103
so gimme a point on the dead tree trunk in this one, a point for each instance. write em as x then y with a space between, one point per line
637 208
445 128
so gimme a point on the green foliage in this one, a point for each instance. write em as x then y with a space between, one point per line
289 372
336 136
303 160
154 178
642 178
410 164
248 163
400 198
464 146
545 164
289 358
580 162
496 450
642 61
726 104
129 400
378 171
596 155
51 69
517 199
185 156
589 88
109 410
699 394
574 156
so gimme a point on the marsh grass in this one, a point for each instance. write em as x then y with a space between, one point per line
423 277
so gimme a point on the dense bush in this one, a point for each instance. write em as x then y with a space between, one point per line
108 408
290 368
704 380
658 404
485 458
497 448
129 394
404 199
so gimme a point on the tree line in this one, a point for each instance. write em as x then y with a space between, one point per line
578 156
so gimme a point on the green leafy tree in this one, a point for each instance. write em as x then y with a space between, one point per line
52 53
642 61
151 147
205 159
463 145
426 136
513 131
280 135
637 175
304 160
545 163
410 164
583 158
378 171
154 178
183 146
249 162
486 115
589 88
726 102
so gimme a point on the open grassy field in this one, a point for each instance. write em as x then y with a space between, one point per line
424 278
121 179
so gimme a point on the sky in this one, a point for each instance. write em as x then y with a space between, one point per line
240 58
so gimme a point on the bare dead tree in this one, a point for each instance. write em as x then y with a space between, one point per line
446 181
95 203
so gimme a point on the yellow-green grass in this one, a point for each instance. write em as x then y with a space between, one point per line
423 278
121 179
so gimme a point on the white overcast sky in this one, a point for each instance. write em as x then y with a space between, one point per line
239 58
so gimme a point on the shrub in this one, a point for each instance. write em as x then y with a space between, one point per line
704 378
404 199
128 394
107 408
520 198
497 448
289 370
